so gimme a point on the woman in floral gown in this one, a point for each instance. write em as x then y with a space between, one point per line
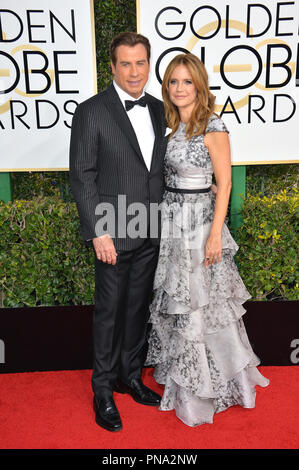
198 343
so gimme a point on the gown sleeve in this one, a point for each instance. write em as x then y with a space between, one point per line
216 124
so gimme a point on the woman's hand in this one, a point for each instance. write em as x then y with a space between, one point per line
213 252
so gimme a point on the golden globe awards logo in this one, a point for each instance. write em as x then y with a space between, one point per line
253 58
28 70
47 67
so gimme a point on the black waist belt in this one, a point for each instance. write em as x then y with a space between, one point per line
188 191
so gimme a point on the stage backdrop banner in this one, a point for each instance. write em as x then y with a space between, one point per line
47 67
250 50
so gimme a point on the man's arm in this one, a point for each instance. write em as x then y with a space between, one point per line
84 153
83 169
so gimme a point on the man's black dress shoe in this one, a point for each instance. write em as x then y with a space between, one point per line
139 392
107 415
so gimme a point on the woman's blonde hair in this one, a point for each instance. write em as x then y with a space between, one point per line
204 105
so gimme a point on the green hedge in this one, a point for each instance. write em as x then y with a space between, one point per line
43 261
268 240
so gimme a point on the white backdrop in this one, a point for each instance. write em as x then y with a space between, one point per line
250 51
47 67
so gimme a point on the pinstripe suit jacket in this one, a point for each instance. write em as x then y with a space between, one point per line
106 161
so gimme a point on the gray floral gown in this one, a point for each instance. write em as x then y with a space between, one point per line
198 344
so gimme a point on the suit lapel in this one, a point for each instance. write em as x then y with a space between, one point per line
155 114
115 107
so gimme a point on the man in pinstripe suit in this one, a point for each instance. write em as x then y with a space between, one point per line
117 149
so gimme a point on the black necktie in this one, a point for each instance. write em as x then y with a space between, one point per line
130 104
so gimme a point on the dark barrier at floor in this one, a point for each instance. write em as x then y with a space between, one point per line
60 338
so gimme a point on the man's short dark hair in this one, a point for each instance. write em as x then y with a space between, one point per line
129 39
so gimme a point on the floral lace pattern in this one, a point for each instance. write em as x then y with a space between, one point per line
198 343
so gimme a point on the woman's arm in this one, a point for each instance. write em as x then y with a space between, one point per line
219 150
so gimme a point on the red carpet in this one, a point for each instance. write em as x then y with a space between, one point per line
53 410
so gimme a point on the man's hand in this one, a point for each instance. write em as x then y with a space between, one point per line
105 249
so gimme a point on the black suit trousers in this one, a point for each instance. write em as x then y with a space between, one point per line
123 293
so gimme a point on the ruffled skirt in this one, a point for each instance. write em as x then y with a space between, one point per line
198 343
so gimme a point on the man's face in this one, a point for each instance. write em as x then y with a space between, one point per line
131 69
